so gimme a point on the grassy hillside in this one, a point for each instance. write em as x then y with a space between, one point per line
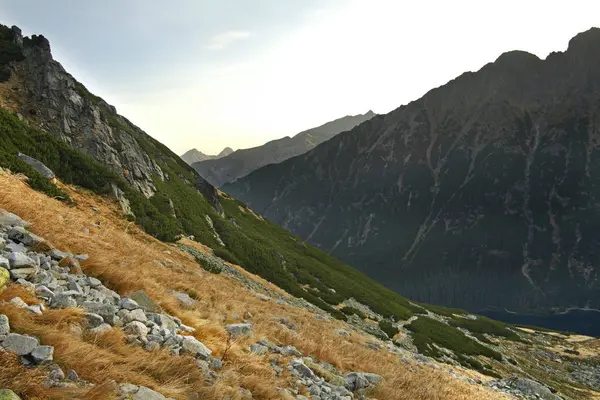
258 245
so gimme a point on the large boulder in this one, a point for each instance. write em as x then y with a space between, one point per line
10 219
361 380
22 235
43 354
144 301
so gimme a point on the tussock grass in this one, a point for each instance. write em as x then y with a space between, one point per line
126 260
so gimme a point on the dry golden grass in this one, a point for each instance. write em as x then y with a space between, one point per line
126 259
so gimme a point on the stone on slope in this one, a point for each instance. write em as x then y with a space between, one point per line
100 329
301 369
237 330
195 347
29 239
10 219
136 328
144 301
62 300
128 304
360 380
143 393
20 260
106 311
43 354
20 344
135 315
184 299
4 325
7 394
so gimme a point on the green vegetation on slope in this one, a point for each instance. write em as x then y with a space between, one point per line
485 325
426 332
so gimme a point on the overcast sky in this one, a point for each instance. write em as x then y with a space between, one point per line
216 73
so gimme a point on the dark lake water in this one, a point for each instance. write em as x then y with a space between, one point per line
584 322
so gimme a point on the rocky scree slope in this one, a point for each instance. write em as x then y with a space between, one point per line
194 155
242 162
483 193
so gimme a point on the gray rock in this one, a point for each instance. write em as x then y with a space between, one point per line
82 257
22 235
290 351
93 282
94 320
184 299
37 165
258 349
10 219
128 304
166 321
58 255
72 375
43 354
135 315
136 328
23 273
342 332
18 302
44 292
359 380
301 369
4 263
144 393
195 347
37 309
20 344
100 329
106 311
75 287
56 373
237 330
62 300
531 388
215 363
4 325
152 346
144 301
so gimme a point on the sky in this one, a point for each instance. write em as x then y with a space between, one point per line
208 74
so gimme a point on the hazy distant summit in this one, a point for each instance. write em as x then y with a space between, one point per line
242 162
195 155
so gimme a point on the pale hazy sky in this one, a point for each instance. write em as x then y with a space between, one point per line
216 73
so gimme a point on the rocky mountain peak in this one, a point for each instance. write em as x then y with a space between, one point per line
55 102
585 41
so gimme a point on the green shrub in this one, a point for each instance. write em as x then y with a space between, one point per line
388 328
226 255
485 325
353 311
427 331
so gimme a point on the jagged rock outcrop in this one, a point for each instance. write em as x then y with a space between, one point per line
42 92
483 193
195 155
242 162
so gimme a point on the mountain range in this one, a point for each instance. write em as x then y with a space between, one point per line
115 252
482 194
241 162
195 155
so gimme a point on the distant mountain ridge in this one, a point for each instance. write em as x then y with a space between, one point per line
242 162
195 155
483 193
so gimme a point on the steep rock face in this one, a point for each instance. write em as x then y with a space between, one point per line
41 91
242 162
483 193
195 155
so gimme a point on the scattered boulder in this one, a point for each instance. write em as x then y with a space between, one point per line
128 304
258 349
62 300
237 330
301 369
43 354
20 260
184 299
359 380
20 344
10 219
136 328
195 347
